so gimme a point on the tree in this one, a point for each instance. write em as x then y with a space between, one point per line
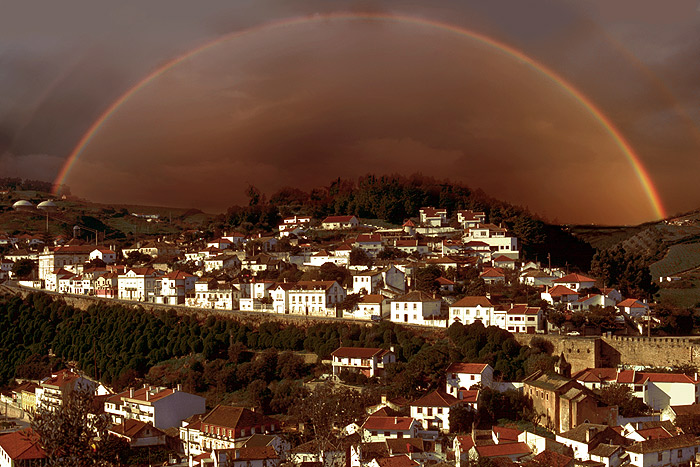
71 437
358 257
461 419
426 278
621 396
23 268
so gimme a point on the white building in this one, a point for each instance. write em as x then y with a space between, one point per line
104 254
433 410
368 361
469 219
213 294
496 237
471 309
226 427
373 281
339 222
372 306
66 257
524 319
679 450
575 282
460 376
318 298
417 307
174 286
431 217
137 284
379 428
163 408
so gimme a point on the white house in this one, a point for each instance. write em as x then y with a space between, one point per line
575 282
412 247
174 286
559 294
373 281
470 309
469 219
339 222
433 410
633 308
137 284
225 427
369 361
322 257
465 375
318 298
104 254
380 428
679 450
431 217
372 306
524 319
163 408
213 294
417 307
369 243
66 257
496 237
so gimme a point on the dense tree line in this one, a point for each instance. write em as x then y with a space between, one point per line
117 344
624 270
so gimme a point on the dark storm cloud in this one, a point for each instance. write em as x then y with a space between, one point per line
61 69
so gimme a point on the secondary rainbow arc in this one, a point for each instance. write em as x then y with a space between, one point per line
634 160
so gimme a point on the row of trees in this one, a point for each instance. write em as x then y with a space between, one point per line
115 344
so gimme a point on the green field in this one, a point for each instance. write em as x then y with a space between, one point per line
679 258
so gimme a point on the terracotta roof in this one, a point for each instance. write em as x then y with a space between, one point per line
236 417
140 394
416 296
664 444
505 433
409 223
372 298
388 423
466 442
437 398
553 459
178 275
571 278
503 259
561 290
444 281
654 433
251 453
131 428
524 310
466 368
472 301
507 449
22 445
492 272
405 445
334 219
691 409
358 352
370 238
396 461
469 395
631 303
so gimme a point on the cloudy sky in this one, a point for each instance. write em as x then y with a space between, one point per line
332 93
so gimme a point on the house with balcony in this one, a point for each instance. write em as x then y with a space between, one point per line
163 408
227 427
365 360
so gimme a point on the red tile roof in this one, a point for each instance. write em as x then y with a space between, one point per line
508 449
334 219
227 416
388 423
22 445
572 278
504 433
396 461
472 301
372 298
466 368
524 310
358 352
561 290
466 442
437 398
631 303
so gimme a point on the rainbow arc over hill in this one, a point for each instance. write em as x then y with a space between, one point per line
633 159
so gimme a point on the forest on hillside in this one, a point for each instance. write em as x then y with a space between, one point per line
219 356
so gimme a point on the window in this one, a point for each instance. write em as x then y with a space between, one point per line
660 457
387 434
430 411
374 433
419 410
679 453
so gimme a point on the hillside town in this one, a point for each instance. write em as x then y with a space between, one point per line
382 273
423 275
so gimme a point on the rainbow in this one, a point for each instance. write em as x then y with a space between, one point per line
634 160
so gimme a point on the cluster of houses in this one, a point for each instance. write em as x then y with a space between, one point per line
580 430
232 272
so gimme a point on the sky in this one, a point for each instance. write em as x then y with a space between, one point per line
521 99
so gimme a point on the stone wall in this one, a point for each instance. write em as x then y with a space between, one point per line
579 352
650 351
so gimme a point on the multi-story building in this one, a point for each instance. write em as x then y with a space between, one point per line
138 284
228 427
460 376
374 280
174 286
163 408
433 410
496 237
339 222
368 361
213 294
418 307
54 389
431 217
470 309
380 428
67 257
318 298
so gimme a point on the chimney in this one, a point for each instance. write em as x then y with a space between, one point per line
590 433
383 398
148 394
131 392
396 420
179 387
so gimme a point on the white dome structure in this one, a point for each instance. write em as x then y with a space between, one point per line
23 205
47 205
